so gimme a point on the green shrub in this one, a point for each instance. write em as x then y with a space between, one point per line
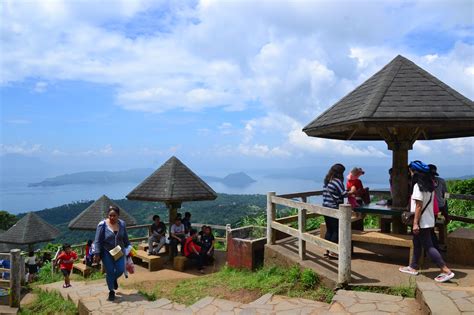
150 296
49 303
294 274
463 208
45 275
309 279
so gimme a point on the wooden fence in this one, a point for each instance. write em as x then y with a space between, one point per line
343 214
15 271
306 210
80 248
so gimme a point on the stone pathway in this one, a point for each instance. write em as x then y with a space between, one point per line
91 298
446 298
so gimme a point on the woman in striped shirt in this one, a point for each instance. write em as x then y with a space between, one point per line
333 196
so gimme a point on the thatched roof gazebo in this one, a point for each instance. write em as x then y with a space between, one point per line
97 211
172 183
29 230
399 104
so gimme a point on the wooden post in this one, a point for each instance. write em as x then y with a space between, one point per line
271 212
399 182
227 233
345 238
15 277
302 229
304 199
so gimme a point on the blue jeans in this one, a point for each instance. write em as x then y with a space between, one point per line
113 268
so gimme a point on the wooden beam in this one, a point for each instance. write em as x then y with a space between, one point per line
459 196
271 213
310 207
302 194
316 240
302 229
15 277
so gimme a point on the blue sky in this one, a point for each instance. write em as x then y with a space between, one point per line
223 85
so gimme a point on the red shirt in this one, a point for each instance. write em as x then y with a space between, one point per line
189 245
64 257
354 183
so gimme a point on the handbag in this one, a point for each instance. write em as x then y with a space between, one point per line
408 216
115 252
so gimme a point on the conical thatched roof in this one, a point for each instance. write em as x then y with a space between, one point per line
400 95
173 182
31 229
92 215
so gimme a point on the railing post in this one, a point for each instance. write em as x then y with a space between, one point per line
271 212
15 278
304 199
345 238
302 229
227 231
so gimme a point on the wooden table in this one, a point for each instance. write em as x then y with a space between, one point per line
385 211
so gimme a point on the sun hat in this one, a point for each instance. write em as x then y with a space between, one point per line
357 170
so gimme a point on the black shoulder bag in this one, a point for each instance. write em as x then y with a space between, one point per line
408 216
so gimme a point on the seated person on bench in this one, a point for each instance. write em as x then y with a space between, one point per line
207 245
187 222
157 234
193 251
178 236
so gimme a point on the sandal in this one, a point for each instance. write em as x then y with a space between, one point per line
408 270
333 255
65 286
443 277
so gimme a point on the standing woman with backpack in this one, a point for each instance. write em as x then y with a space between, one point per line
333 196
421 203
111 233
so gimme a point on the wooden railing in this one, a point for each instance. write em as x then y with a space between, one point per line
343 214
14 281
80 248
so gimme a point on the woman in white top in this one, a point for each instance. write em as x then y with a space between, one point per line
32 266
421 203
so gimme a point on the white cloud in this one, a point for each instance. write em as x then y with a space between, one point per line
462 146
40 87
23 149
420 147
294 57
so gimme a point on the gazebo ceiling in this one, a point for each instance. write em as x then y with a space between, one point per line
92 215
173 182
31 229
400 96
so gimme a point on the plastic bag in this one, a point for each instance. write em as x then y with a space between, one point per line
130 266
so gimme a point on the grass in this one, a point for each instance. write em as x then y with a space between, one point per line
240 285
45 276
403 290
49 303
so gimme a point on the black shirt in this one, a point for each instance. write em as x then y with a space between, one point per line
206 240
160 229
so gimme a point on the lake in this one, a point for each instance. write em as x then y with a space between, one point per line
17 197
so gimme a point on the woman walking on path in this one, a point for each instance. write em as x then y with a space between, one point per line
111 233
423 223
333 196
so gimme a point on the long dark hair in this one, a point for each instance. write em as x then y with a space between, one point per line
336 171
424 181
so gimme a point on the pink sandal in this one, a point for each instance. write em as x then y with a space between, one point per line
408 270
443 277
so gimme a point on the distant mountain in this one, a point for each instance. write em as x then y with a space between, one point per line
232 180
462 177
96 177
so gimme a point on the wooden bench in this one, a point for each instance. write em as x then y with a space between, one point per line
154 262
180 263
375 237
82 268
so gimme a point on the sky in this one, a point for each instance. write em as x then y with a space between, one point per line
223 85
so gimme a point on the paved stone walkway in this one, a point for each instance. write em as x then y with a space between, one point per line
91 298
446 298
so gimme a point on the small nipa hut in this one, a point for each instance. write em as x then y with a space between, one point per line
96 212
29 230
400 104
173 183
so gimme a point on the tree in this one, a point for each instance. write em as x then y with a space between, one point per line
7 220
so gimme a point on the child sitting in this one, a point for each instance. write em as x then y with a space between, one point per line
358 195
66 260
